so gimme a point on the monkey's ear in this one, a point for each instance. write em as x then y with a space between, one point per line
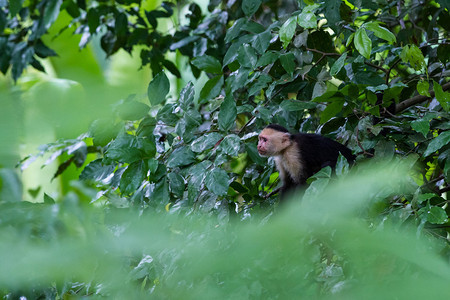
286 137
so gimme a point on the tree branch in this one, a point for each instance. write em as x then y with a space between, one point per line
417 99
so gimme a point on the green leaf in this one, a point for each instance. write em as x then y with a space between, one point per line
211 89
97 171
331 110
132 177
339 63
363 43
423 88
381 32
249 7
166 114
234 30
160 193
132 110
15 6
247 56
437 143
180 157
217 181
208 64
287 31
262 41
442 97
158 89
198 172
176 184
187 95
296 105
288 62
124 149
266 59
227 113
307 19
205 142
230 145
10 186
411 54
51 12
434 215
421 125
252 152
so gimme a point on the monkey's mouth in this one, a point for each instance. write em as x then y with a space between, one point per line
262 153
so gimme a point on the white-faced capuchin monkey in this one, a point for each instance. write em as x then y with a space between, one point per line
299 156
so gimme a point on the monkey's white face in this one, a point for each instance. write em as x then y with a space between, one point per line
272 142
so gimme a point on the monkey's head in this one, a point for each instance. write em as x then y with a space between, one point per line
273 140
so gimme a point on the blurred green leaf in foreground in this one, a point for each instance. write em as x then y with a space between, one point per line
319 247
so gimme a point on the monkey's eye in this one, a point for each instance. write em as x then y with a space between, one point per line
264 139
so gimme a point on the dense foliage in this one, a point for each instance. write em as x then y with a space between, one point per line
370 74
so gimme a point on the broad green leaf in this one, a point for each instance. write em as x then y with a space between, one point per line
247 56
287 31
249 7
441 96
187 95
319 89
132 177
363 43
186 41
166 114
252 152
437 143
421 125
158 89
262 41
234 30
331 110
411 54
51 12
434 214
266 59
423 88
288 62
160 193
381 32
97 171
132 110
259 84
385 149
227 113
198 172
296 105
208 64
124 149
217 181
205 142
232 54
176 184
15 6
423 197
10 186
180 157
307 19
339 63
301 39
230 145
211 89
350 39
